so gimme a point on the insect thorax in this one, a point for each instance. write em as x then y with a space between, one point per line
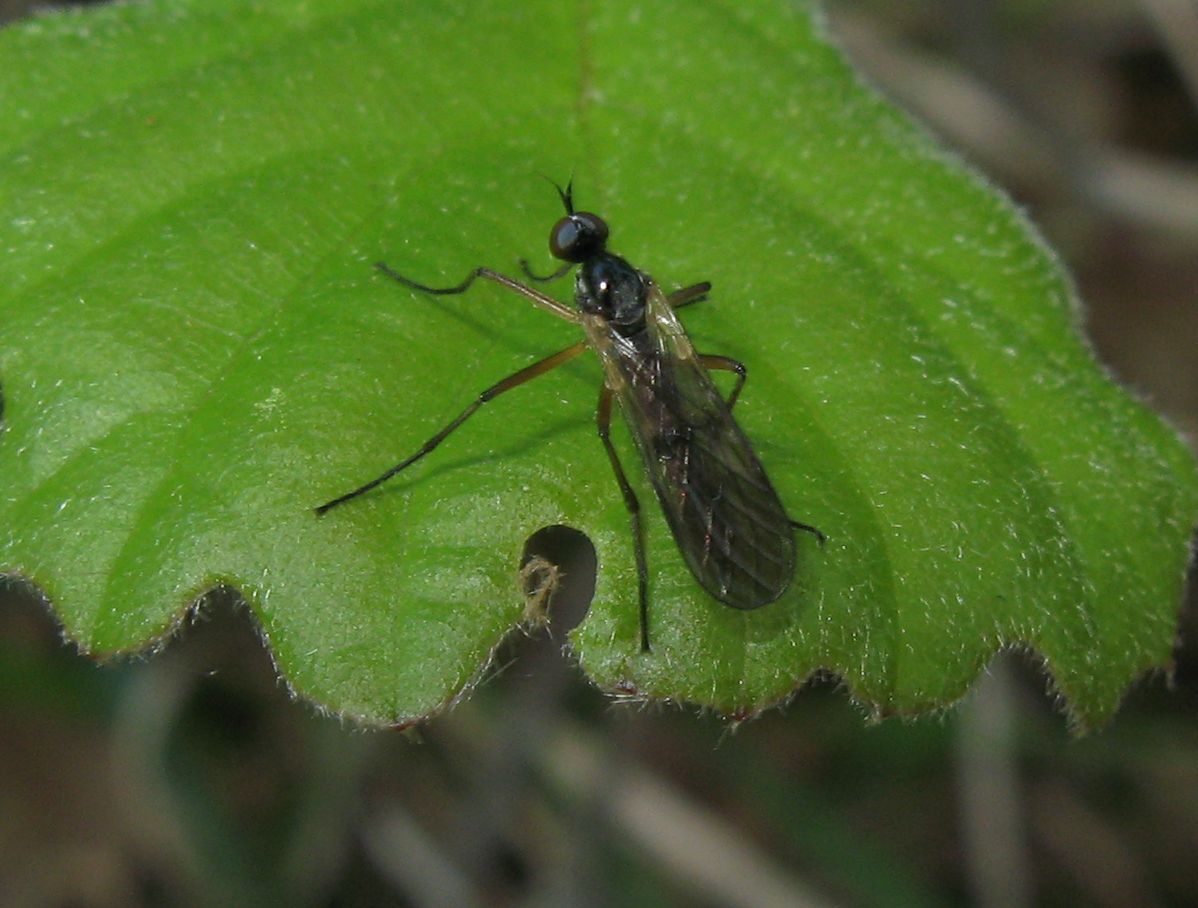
608 286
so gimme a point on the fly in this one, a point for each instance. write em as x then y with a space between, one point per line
725 516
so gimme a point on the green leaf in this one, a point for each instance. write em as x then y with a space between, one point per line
195 351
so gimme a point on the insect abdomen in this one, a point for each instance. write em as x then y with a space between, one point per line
725 516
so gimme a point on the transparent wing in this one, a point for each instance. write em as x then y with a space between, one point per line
725 515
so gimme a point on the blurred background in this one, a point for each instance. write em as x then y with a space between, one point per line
190 777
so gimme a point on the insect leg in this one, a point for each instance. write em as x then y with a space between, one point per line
688 295
538 298
728 364
512 381
808 528
603 420
544 278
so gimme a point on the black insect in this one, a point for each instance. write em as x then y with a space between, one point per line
721 507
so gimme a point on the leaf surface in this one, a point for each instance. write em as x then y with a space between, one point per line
195 350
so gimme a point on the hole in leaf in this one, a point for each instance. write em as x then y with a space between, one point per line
557 574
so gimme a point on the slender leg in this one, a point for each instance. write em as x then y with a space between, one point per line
560 271
808 528
512 381
603 419
538 298
728 364
688 295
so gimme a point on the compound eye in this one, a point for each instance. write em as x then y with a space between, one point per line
577 236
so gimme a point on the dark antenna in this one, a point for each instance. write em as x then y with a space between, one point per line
566 195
